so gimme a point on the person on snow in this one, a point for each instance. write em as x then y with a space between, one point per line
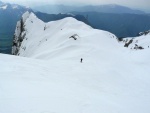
81 60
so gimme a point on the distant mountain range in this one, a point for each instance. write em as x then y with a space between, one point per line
52 17
122 25
111 8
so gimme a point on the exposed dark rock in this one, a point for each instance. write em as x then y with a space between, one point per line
120 39
74 36
128 43
19 36
144 33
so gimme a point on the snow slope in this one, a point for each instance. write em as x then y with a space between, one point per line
111 79
138 43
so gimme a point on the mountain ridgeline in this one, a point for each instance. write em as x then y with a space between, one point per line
24 36
53 17
119 20
11 13
32 34
110 8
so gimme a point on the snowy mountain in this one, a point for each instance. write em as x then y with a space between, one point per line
49 78
24 33
48 32
12 7
11 13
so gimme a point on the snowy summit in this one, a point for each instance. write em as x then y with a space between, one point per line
47 76
12 7
3 7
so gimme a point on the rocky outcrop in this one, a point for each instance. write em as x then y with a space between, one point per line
19 34
137 43
128 43
144 33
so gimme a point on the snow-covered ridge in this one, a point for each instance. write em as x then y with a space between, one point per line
33 37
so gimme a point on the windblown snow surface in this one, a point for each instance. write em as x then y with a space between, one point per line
47 76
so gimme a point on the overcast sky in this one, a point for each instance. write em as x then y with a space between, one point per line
139 4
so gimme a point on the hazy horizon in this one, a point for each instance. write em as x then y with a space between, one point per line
142 5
